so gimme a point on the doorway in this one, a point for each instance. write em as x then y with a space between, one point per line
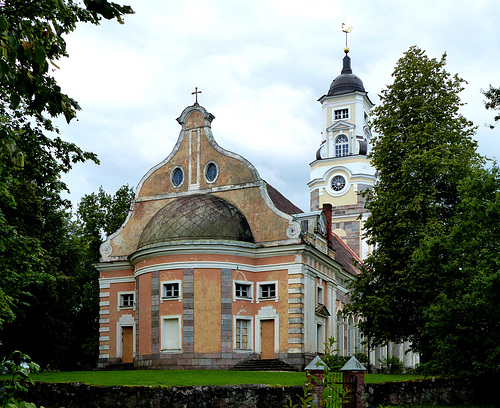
267 339
127 344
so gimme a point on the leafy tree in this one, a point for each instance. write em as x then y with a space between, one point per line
62 312
101 214
463 325
32 155
493 101
423 155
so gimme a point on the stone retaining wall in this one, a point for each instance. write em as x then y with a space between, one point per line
441 392
434 391
78 395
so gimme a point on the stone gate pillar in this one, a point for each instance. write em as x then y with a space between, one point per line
317 368
354 373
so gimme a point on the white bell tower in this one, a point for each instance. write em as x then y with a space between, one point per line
341 169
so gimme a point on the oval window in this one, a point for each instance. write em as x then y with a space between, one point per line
177 177
211 172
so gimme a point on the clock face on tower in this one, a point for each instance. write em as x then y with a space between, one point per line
338 183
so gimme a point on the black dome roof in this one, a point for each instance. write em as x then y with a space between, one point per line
196 217
346 82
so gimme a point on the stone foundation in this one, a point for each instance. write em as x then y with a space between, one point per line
205 361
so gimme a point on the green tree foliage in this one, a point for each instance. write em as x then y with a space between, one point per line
424 156
20 370
462 325
62 313
32 155
40 254
101 214
493 101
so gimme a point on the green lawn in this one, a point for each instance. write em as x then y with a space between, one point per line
173 377
378 378
193 377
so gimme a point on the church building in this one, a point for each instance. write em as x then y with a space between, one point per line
214 267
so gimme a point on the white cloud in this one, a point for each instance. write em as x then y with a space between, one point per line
261 66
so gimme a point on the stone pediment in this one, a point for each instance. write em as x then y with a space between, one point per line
340 125
322 311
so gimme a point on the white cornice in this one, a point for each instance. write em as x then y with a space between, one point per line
103 282
212 265
113 266
237 249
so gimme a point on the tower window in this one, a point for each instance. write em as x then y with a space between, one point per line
341 114
341 146
338 183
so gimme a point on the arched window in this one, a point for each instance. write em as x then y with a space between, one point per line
350 335
341 146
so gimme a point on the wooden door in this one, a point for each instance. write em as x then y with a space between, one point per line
127 345
267 339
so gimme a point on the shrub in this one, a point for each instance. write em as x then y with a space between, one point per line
391 365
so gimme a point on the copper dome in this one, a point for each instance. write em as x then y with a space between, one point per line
196 217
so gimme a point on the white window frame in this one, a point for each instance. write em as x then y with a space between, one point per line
206 169
329 188
179 333
162 290
259 291
341 111
250 290
120 305
172 177
320 291
125 321
343 145
249 319
267 313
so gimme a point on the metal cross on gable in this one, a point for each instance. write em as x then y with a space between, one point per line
195 93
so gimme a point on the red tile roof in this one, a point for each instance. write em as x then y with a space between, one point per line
344 256
281 202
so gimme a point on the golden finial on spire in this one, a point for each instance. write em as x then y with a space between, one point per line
346 30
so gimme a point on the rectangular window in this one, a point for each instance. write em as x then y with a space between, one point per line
268 291
171 290
170 334
242 332
319 295
126 299
242 290
341 114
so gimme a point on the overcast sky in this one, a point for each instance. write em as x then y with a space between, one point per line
261 66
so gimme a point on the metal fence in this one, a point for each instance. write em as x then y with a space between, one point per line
339 392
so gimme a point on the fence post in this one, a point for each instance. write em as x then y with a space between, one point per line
354 372
317 368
